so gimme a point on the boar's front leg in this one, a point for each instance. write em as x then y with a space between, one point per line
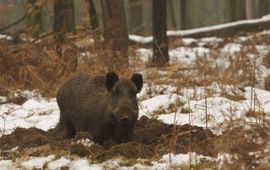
103 132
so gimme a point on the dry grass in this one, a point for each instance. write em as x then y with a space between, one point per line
44 66
267 83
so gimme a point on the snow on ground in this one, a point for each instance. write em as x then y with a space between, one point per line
184 55
168 161
44 114
39 113
220 109
3 36
6 165
183 160
36 163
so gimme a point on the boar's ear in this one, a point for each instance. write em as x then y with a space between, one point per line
138 81
111 79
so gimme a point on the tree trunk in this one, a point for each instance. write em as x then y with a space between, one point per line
136 18
171 16
33 17
240 11
64 17
250 12
93 15
263 7
235 10
115 27
160 42
183 14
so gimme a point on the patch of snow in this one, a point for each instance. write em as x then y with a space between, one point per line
188 41
155 103
85 142
267 17
57 164
41 114
36 162
232 48
3 36
7 165
186 55
224 158
140 39
170 160
83 164
220 109
209 40
144 54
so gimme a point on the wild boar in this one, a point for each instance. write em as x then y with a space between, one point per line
105 106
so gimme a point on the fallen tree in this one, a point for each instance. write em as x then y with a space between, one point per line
221 30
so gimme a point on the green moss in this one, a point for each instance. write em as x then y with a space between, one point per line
186 110
156 113
127 162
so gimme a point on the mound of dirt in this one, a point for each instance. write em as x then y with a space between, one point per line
169 138
23 138
151 138
127 150
150 131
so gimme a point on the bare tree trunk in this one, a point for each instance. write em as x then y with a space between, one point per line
33 17
183 14
93 15
172 14
146 17
250 12
240 11
263 7
235 10
136 18
160 42
115 26
64 17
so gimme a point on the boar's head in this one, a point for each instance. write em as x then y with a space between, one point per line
123 104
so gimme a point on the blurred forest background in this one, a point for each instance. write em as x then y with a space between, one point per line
51 39
181 14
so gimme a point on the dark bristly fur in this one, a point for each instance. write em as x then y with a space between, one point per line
105 106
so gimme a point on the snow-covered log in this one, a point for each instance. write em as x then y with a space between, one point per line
220 30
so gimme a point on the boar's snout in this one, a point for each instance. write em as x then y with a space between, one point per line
125 116
125 120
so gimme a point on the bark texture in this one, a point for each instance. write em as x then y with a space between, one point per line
160 41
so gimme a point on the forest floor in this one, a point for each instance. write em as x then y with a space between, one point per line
208 109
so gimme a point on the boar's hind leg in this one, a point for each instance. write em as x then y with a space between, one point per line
67 125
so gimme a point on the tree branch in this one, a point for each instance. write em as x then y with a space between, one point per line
13 24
